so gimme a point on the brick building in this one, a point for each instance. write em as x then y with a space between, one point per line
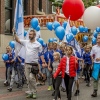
30 7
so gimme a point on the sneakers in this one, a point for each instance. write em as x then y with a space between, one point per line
49 88
29 96
88 84
34 96
77 93
28 92
53 93
94 93
10 89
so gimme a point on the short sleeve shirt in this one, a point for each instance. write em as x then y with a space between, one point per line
31 50
95 53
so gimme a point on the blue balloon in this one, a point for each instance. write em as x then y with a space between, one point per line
50 40
74 30
60 32
12 44
25 33
94 40
98 29
55 25
44 45
41 41
55 39
95 34
69 37
5 57
49 26
81 29
85 38
64 24
85 29
37 28
34 23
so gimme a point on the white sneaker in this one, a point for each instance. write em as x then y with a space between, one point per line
5 82
37 83
28 92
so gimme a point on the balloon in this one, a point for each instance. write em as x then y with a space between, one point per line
94 40
85 29
5 57
69 37
25 33
98 6
91 17
50 40
95 34
64 24
54 39
73 9
49 26
60 32
74 30
44 45
85 38
55 25
38 28
81 29
40 40
98 29
34 23
12 44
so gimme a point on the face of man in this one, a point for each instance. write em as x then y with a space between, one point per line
32 35
98 39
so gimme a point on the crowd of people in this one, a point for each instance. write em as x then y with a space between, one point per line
58 63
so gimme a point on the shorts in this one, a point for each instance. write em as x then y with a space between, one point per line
77 77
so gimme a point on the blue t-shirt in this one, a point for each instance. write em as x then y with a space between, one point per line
51 54
10 57
46 56
87 58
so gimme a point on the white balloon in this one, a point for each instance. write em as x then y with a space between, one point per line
91 17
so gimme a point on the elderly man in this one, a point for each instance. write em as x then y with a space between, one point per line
32 48
95 53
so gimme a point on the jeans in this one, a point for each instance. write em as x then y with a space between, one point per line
68 83
11 75
48 74
87 68
56 85
31 80
20 71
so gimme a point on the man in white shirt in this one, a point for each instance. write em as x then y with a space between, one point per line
95 53
32 48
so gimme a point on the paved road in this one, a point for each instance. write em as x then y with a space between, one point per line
43 94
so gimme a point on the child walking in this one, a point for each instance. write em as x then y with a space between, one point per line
57 81
88 63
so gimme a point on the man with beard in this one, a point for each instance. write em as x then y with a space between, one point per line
32 48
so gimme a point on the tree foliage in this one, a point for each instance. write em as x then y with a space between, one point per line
87 3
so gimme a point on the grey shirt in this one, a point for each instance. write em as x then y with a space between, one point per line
55 66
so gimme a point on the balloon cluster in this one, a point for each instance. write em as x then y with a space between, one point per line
35 24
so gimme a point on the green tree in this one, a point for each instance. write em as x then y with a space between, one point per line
89 3
57 3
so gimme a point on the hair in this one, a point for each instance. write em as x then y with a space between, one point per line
57 53
33 31
71 48
9 47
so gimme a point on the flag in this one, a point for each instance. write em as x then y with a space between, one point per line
19 24
74 42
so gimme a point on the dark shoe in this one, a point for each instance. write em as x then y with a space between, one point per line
10 89
88 84
53 93
62 89
77 93
94 94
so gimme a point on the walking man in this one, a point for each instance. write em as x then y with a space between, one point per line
32 48
95 53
